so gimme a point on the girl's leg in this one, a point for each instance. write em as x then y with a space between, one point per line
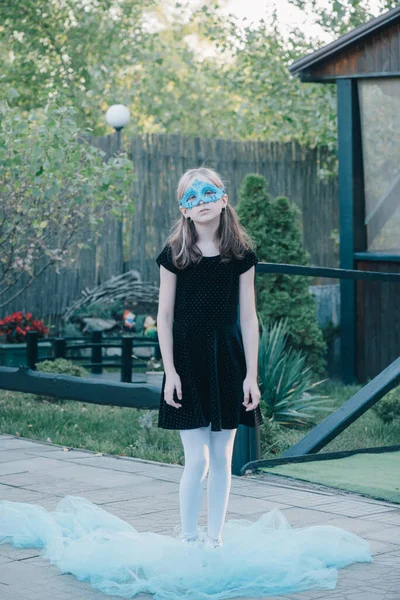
197 459
219 479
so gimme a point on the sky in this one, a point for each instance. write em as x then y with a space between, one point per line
288 15
252 11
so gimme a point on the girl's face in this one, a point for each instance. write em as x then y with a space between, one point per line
203 200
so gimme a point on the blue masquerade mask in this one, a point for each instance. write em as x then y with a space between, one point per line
201 191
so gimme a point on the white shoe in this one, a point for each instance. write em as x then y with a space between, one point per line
213 543
188 540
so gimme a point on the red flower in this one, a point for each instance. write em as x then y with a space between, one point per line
15 326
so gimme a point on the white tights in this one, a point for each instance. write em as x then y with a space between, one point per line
205 450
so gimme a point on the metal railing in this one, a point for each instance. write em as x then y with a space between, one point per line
63 345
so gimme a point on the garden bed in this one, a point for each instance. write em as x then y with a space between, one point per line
14 355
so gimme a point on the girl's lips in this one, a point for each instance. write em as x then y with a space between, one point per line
204 209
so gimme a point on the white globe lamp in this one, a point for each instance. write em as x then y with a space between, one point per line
117 116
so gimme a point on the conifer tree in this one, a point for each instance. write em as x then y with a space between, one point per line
274 226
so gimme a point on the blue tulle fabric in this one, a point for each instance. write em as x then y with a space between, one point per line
260 558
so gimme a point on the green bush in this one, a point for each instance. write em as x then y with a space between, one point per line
284 380
275 439
61 366
388 407
274 226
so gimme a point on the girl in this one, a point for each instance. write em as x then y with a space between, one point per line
210 363
209 387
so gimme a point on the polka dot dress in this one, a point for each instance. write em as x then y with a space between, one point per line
207 345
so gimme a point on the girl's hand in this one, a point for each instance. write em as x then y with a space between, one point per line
172 382
250 388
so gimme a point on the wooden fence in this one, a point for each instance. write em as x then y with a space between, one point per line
159 160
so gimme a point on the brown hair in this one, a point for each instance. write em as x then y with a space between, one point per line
233 238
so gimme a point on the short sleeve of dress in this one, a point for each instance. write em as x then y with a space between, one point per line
247 262
165 259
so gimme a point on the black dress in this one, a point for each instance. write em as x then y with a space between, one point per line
208 348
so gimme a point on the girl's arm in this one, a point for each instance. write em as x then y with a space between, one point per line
165 316
249 321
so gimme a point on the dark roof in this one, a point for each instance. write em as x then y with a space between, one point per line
388 18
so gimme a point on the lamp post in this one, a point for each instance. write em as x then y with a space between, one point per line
117 116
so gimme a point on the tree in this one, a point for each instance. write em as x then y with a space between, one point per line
75 51
274 226
180 68
53 187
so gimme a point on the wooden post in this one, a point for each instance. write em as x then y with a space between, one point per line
97 354
157 351
246 447
126 359
59 347
352 228
32 349
247 440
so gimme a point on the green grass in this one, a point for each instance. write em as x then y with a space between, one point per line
117 430
367 432
352 473
107 429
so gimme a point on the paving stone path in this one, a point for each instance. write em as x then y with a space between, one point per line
43 473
